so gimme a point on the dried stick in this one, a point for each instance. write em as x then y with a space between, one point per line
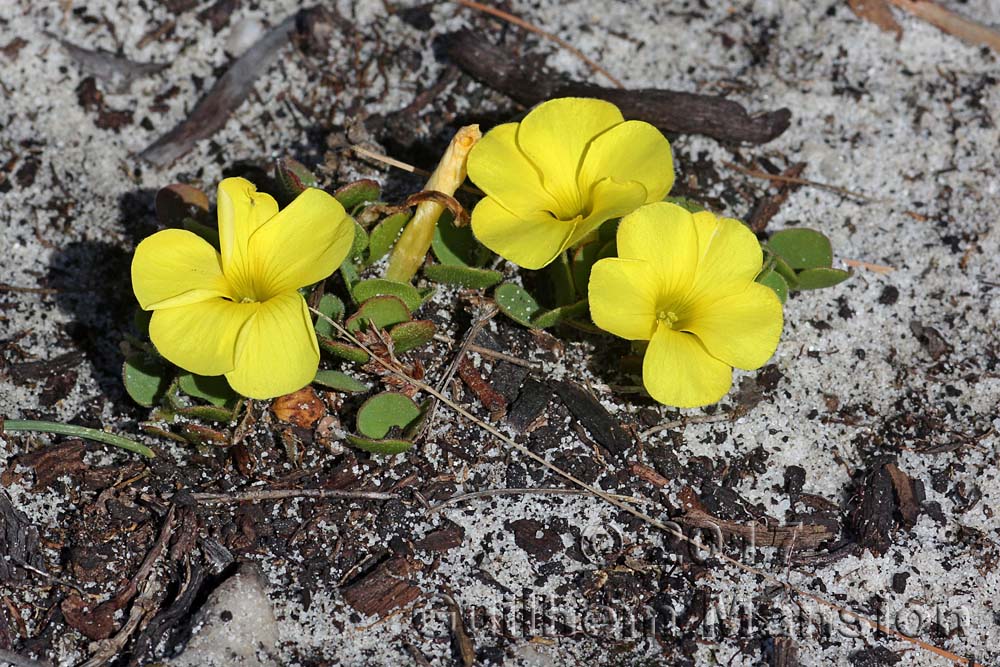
952 23
281 494
486 493
798 181
670 110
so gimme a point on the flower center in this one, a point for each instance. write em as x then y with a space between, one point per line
667 317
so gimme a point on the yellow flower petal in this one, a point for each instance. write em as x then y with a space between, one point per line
631 151
664 235
678 371
531 241
623 295
241 211
276 353
175 267
200 337
498 167
609 199
742 329
301 245
730 259
555 134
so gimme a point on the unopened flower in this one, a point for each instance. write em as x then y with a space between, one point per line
239 313
686 284
553 178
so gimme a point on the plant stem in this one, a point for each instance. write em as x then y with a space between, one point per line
76 431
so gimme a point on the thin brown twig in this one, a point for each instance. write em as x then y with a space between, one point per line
799 181
486 493
877 268
4 287
669 528
148 585
510 18
493 354
405 166
696 419
951 23
281 494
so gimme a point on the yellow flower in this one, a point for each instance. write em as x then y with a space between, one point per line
238 314
552 179
686 284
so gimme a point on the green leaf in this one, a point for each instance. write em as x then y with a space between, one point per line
407 336
178 201
146 379
408 294
209 413
384 235
383 412
550 318
213 389
331 306
382 311
292 179
457 246
388 447
773 279
781 266
345 351
820 278
210 234
349 273
360 241
339 381
802 248
463 276
354 194
515 302
688 205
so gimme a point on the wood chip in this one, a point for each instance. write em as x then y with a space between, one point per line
386 588
605 429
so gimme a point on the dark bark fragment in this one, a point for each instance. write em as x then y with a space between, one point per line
670 110
605 429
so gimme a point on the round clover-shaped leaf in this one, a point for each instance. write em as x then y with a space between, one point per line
773 279
407 336
408 294
820 278
382 311
802 248
357 193
146 379
383 412
213 389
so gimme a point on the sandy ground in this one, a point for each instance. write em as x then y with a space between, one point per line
910 123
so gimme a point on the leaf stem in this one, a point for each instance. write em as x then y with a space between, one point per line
76 431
